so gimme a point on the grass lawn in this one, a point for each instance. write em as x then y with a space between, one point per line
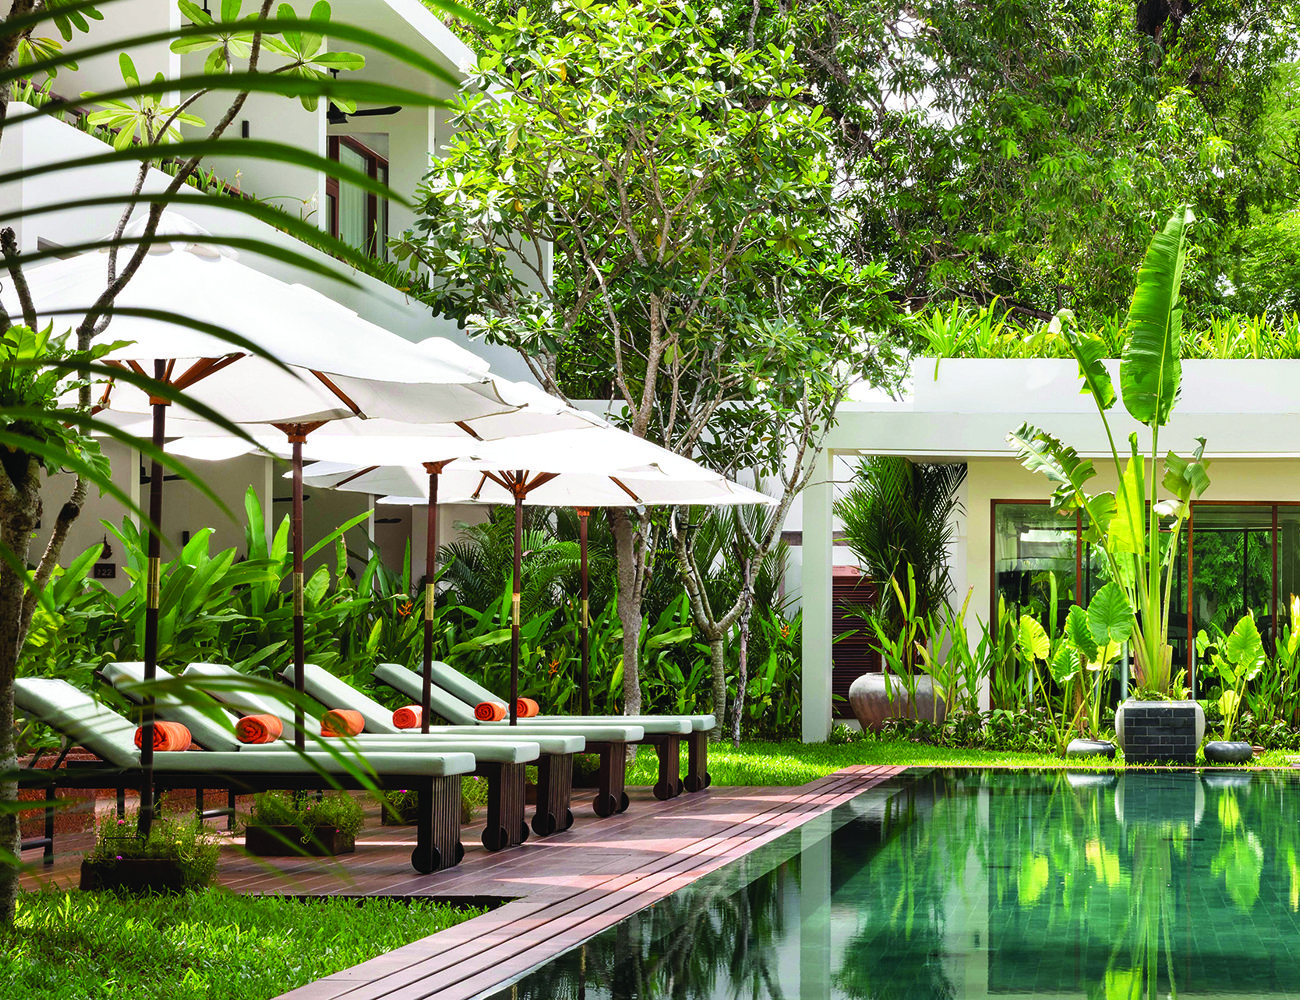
212 945
794 763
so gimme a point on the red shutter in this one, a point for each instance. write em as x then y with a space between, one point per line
855 654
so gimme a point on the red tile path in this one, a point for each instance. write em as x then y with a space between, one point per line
562 889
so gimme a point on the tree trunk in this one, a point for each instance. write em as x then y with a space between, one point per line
629 608
21 511
718 658
742 651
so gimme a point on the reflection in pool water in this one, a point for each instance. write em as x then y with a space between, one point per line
961 884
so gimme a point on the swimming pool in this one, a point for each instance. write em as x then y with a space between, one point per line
956 884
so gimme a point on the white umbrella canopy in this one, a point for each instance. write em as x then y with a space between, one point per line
340 365
602 467
328 364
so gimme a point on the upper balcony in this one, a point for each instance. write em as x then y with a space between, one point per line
396 147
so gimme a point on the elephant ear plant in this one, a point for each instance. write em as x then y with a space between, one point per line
1238 659
1135 530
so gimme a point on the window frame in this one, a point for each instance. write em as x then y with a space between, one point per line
376 215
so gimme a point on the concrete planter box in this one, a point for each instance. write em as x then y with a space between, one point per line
282 841
876 698
1156 732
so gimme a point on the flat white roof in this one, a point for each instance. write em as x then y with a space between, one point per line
966 407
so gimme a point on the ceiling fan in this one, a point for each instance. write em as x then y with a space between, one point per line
335 115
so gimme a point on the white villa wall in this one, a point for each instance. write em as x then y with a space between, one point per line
87 530
123 19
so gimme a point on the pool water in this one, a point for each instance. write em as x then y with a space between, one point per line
952 884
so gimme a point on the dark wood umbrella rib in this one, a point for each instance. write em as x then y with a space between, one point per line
342 396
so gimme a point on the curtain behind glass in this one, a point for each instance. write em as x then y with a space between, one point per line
352 202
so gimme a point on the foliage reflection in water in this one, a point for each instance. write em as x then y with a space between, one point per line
957 884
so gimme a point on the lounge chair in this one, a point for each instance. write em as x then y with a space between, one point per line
554 773
609 740
663 732
435 777
501 757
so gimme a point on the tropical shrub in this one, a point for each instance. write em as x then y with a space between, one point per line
219 607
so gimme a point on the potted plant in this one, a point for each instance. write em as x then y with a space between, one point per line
1237 659
283 823
175 856
398 808
902 690
1135 530
897 520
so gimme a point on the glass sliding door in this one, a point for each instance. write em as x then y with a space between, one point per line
356 216
1035 560
1288 561
1232 566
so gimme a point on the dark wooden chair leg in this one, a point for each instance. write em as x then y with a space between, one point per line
611 778
198 802
554 812
121 801
506 825
48 855
230 804
437 828
46 840
697 766
669 784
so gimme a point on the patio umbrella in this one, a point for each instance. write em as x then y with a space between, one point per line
391 441
585 469
329 364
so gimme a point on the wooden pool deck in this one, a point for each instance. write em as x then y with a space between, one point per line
561 889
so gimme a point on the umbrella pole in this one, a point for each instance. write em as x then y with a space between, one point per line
430 566
297 435
299 626
514 600
585 622
153 587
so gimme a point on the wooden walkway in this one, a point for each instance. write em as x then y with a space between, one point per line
561 890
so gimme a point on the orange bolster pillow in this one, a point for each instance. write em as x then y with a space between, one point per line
526 708
342 722
169 736
408 717
258 729
489 711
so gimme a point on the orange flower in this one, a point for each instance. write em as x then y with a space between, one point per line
404 609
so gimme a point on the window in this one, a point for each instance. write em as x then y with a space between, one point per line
356 216
1239 556
1035 559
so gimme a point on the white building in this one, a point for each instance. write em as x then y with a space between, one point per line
1009 542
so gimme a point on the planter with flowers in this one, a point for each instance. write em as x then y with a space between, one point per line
286 824
174 857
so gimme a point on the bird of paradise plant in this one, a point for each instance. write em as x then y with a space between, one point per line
1136 531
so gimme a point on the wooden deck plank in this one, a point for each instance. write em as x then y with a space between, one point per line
509 941
561 889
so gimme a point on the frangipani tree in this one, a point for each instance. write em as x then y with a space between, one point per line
650 217
1134 528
